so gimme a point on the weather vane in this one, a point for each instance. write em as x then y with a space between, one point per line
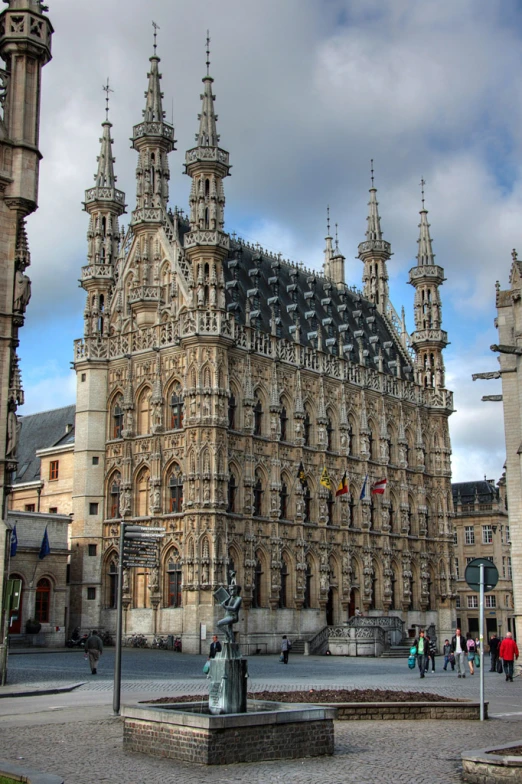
208 51
156 28
422 184
106 89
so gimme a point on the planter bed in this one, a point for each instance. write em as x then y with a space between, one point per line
368 704
493 766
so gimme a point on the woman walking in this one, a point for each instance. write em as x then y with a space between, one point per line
470 647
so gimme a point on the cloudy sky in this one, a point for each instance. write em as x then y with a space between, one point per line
308 91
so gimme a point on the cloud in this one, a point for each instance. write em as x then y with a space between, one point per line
307 92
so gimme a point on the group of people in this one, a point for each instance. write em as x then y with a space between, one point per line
461 651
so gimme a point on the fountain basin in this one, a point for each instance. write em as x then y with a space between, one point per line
267 731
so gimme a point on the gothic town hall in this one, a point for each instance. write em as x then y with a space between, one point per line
215 384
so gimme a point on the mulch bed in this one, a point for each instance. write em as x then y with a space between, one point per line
324 695
515 751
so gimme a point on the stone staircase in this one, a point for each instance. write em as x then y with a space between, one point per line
400 651
298 647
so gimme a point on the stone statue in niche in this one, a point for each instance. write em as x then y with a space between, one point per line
22 292
13 433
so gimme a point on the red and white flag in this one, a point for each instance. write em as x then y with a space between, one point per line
379 487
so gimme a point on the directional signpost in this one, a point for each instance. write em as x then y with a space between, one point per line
138 547
481 575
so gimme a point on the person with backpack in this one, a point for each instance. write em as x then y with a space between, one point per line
422 647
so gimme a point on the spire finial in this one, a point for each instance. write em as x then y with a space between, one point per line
156 28
208 52
328 220
106 89
422 184
371 170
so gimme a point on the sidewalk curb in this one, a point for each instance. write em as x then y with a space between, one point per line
33 776
36 692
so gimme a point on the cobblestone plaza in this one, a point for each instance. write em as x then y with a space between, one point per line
74 734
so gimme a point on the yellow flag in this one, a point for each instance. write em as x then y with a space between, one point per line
325 479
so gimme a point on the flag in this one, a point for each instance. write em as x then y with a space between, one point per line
343 486
325 479
14 542
301 474
45 547
363 490
379 487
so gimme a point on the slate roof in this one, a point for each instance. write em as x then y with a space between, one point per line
258 285
41 431
486 491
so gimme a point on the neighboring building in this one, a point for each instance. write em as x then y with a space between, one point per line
509 324
210 371
25 47
45 590
482 530
43 481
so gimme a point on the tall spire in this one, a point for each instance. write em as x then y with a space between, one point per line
428 340
153 138
105 177
374 252
207 135
425 254
328 251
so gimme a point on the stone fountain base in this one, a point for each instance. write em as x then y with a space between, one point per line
268 731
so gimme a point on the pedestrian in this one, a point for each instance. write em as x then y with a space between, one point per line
422 647
215 647
494 645
94 649
285 648
432 650
508 652
458 648
470 647
449 657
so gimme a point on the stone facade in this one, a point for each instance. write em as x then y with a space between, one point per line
45 590
216 385
25 47
482 530
509 324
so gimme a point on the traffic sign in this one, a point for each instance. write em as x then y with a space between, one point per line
472 574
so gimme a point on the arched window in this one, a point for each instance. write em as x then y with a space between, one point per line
232 408
351 511
232 493
114 495
307 502
258 417
307 429
112 585
142 495
176 490
43 601
258 496
283 501
257 592
308 586
283 594
174 580
373 511
117 418
283 421
144 412
176 408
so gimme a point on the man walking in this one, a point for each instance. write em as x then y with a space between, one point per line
508 652
94 647
459 650
422 646
285 648
494 645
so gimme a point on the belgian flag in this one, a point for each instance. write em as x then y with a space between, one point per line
343 486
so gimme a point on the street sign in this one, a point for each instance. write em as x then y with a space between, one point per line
472 574
143 537
140 564
136 529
